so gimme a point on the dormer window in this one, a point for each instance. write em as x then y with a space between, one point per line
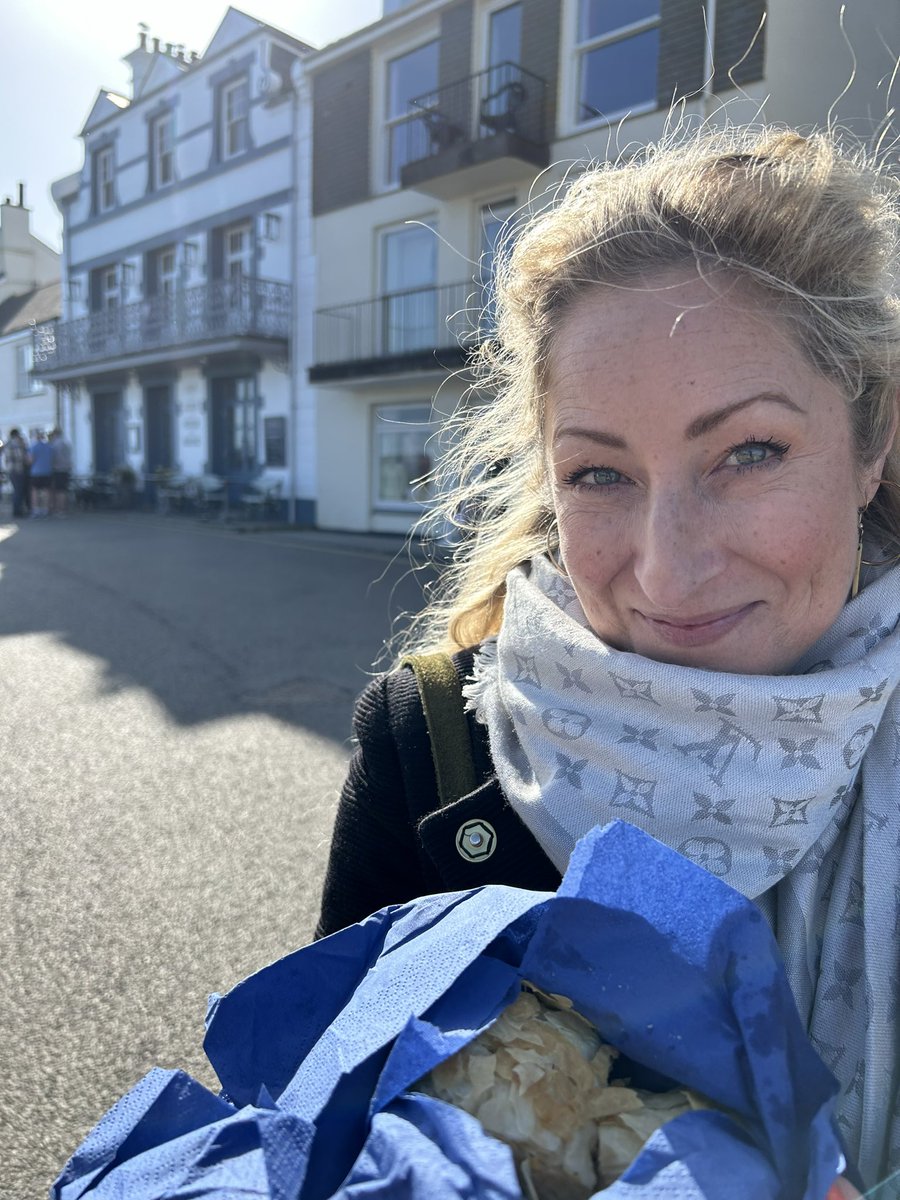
162 151
235 117
104 180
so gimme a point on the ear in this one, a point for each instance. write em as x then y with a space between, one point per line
871 477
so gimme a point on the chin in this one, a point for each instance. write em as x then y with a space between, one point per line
735 659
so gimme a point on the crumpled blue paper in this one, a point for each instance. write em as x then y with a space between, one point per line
318 1052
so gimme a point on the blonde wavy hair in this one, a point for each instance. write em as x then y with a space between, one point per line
813 225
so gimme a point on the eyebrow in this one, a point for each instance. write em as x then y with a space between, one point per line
697 428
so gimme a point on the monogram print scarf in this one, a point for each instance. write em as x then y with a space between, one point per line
785 786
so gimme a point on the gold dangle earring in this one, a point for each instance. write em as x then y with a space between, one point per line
854 586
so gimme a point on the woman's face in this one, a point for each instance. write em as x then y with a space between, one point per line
703 475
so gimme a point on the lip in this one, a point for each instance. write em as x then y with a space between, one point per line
700 630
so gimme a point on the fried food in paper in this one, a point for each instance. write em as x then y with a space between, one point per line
538 1079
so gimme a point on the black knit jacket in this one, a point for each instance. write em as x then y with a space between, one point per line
392 841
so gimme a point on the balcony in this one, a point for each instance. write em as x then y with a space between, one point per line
217 317
420 329
476 133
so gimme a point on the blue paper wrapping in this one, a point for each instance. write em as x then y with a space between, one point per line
317 1052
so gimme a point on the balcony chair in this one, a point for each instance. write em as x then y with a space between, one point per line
498 110
442 132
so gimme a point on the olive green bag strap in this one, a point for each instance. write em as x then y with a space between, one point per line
442 702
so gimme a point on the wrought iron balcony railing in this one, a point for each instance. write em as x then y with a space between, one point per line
221 309
503 99
399 325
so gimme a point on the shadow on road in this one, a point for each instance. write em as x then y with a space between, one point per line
213 623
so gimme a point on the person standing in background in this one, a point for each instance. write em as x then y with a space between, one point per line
15 460
41 455
62 472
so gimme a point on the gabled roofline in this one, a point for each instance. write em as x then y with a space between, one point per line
68 185
101 93
369 34
298 42
262 27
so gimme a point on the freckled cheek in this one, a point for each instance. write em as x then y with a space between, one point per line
806 550
590 547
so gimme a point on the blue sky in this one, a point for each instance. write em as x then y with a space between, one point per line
55 56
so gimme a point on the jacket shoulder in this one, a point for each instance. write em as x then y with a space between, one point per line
391 707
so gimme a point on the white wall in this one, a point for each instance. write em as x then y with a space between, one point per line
81 431
810 61
191 421
28 410
25 262
346 419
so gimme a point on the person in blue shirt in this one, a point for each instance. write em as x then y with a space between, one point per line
41 455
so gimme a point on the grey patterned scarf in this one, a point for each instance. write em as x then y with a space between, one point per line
785 786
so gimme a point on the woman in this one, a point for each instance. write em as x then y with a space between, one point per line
679 607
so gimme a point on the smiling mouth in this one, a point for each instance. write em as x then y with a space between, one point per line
697 631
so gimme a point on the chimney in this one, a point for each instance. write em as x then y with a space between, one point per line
140 60
156 45
21 195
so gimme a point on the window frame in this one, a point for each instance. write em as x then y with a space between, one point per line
104 169
390 300
573 56
508 202
235 405
244 260
275 432
430 428
382 124
26 383
482 42
166 281
241 83
159 153
110 296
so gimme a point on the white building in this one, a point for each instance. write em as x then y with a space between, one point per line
430 128
174 351
29 295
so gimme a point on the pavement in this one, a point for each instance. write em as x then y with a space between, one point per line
176 716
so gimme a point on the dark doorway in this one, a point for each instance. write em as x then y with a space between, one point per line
159 428
109 439
235 453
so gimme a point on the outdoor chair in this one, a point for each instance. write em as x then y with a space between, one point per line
170 493
498 111
260 500
210 494
442 132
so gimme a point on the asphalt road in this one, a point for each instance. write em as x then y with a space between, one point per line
176 705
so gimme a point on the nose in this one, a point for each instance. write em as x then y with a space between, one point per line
678 549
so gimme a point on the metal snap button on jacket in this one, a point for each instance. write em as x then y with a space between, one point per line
476 840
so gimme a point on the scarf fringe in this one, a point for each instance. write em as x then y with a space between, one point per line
483 681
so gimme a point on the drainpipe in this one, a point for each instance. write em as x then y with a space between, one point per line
709 62
292 339
302 295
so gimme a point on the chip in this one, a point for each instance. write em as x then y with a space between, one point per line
538 1080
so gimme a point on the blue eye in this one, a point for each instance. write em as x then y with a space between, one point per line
756 453
595 477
